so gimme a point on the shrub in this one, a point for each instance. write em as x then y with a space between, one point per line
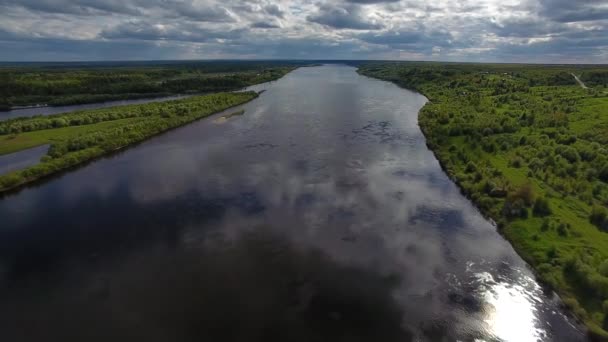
569 153
541 207
599 217
471 167
525 193
603 175
516 162
514 208
545 226
562 229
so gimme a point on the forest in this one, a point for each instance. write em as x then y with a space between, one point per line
528 145
78 137
56 84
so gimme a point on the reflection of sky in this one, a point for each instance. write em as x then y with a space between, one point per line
22 159
332 161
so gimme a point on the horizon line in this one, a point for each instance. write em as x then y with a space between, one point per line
293 60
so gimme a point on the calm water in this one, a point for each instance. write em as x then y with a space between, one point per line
317 215
24 112
22 159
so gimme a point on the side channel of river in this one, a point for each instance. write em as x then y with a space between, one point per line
50 110
318 214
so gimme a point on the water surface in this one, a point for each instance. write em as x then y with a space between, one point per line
22 159
319 214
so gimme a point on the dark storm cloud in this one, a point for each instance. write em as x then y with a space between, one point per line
170 32
264 25
197 12
171 8
574 11
301 48
403 38
80 7
342 17
526 27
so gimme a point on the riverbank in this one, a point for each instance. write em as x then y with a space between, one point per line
79 137
511 148
40 87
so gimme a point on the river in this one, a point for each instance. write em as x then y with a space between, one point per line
51 110
319 214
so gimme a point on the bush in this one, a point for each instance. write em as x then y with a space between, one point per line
515 208
516 162
599 217
603 175
541 207
545 226
569 153
562 230
525 193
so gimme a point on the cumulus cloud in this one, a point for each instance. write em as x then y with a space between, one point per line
469 30
343 17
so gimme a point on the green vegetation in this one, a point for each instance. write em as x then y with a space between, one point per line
528 145
59 84
81 136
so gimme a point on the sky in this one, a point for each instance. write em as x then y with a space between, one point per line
524 31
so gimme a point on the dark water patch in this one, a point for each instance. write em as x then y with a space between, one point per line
450 219
259 287
22 159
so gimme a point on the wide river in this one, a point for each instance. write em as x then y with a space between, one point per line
319 214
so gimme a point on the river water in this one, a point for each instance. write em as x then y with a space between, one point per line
50 110
319 214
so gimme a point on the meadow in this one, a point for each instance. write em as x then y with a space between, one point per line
528 145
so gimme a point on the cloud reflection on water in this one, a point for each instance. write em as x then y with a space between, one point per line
347 177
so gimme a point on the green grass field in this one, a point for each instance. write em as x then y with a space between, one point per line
16 142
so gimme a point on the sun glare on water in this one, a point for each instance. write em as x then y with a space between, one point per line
509 309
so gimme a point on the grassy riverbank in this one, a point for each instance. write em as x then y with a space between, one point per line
82 136
528 144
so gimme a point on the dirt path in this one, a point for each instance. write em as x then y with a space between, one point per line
579 81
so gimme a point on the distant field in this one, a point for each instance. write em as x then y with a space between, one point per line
68 84
529 145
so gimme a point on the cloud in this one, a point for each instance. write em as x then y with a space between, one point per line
371 1
274 10
264 25
476 30
414 38
568 11
197 11
80 7
166 32
346 17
